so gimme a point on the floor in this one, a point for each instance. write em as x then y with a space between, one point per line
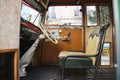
53 73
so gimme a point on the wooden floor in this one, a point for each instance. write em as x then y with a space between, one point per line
53 73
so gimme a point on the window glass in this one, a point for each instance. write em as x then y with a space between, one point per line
91 15
37 20
64 15
30 14
104 14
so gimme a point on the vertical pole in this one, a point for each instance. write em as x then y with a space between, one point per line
116 5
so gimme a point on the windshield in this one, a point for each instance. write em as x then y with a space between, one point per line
64 15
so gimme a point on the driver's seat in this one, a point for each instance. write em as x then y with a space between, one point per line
85 60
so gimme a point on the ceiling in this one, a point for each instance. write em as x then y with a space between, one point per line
76 2
36 5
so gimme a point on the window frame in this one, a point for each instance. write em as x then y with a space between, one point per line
110 13
78 26
36 17
97 18
97 13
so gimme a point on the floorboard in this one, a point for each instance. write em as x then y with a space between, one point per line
53 73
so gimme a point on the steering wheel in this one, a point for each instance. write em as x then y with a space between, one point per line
48 34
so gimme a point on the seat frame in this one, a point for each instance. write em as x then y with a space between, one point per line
95 67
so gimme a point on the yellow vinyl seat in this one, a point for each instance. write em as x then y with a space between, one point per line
89 59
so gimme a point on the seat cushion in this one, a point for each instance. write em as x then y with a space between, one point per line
68 53
75 62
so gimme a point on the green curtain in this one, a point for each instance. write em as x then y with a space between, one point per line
116 7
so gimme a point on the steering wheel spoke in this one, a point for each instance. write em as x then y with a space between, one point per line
48 34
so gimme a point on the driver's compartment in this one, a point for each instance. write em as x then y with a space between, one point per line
43 37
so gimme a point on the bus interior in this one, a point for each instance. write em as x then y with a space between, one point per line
52 33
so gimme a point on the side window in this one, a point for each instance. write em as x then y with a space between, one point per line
29 14
91 15
104 14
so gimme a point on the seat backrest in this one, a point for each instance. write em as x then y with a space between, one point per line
95 42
